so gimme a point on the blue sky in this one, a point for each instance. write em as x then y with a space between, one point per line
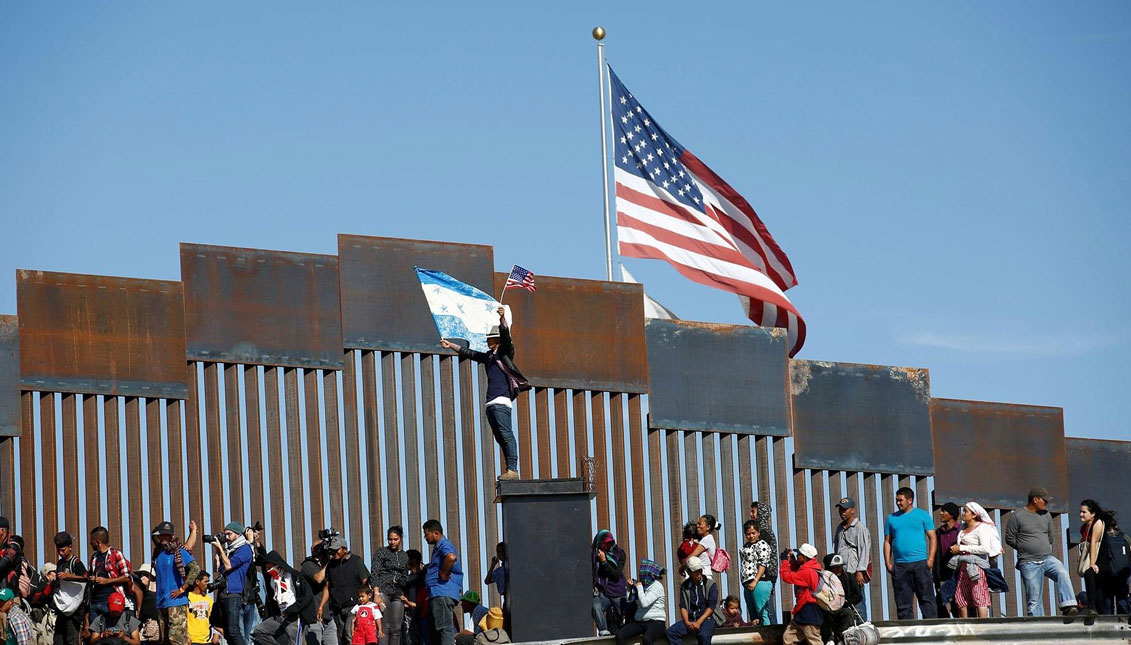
950 181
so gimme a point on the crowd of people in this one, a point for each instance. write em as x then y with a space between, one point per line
947 569
250 595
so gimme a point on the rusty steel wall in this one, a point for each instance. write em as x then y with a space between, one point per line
9 377
993 453
723 378
869 418
261 307
383 307
1093 466
100 335
584 334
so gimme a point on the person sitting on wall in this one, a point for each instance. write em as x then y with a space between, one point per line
698 597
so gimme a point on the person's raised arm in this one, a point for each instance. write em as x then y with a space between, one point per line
190 541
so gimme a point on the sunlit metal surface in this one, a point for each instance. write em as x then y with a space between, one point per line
9 377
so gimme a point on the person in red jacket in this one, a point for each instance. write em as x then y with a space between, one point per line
800 569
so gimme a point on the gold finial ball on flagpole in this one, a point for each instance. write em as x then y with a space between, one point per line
598 33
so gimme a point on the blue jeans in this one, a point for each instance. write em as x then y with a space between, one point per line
443 618
758 602
233 609
1033 574
703 637
499 418
862 606
250 620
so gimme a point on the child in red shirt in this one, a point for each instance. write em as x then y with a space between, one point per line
366 619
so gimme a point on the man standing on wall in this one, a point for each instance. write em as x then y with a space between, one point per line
109 570
504 382
444 579
1029 530
235 567
853 543
909 553
345 574
947 536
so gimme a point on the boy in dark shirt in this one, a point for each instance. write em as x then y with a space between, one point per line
835 622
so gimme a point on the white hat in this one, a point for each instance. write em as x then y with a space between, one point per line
836 561
808 550
694 564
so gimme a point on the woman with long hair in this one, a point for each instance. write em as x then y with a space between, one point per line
978 541
1094 521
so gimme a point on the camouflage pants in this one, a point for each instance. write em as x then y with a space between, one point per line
174 625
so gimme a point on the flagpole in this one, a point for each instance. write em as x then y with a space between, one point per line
599 35
504 293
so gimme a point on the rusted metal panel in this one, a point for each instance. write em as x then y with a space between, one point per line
261 307
872 418
725 378
353 444
333 450
545 432
296 537
391 470
1091 464
113 465
313 455
568 333
101 335
675 492
254 439
431 454
412 461
993 453
468 411
9 377
234 471
30 514
601 454
383 307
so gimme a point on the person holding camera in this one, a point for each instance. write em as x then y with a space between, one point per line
236 556
345 574
800 568
390 569
322 631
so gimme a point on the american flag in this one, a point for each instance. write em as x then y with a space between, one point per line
671 206
520 278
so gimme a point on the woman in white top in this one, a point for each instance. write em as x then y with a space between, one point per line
705 550
650 620
978 538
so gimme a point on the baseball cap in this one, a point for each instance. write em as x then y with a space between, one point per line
145 570
808 550
471 596
694 564
234 527
47 568
164 528
337 542
1041 492
846 502
6 595
836 561
116 602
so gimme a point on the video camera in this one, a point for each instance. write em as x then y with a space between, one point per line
320 550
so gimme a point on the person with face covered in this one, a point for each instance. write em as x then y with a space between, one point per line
651 606
609 584
289 604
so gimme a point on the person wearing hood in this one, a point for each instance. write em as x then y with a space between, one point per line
289 605
762 513
610 587
978 541
801 569
651 606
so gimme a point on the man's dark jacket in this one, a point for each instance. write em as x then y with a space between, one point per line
304 606
505 354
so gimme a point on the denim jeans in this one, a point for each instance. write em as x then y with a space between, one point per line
601 604
862 606
443 618
1033 574
499 418
911 580
250 620
392 619
323 633
702 637
233 609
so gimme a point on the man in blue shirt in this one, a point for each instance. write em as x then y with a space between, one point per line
909 553
235 559
175 569
444 579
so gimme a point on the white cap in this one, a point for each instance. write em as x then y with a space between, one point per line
836 561
808 550
694 563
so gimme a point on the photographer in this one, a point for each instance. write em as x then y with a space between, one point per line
345 574
322 631
800 569
235 569
390 569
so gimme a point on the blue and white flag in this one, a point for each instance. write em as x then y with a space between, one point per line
459 309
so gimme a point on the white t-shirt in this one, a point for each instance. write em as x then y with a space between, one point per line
708 544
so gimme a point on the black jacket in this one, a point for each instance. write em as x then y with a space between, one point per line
505 354
304 606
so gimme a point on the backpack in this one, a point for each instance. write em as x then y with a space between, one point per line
27 578
1115 556
721 561
829 593
69 596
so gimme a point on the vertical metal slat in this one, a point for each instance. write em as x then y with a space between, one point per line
875 520
91 433
391 474
295 462
675 495
819 500
660 551
487 478
71 465
561 431
468 412
254 442
545 432
887 499
373 472
193 451
745 492
431 454
411 449
354 478
156 463
730 528
133 473
620 474
601 457
333 450
279 534
213 438
176 465
451 520
781 505
525 436
29 513
313 456
639 506
234 472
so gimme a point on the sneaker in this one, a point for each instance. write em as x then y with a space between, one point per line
1071 610
508 476
1092 613
603 632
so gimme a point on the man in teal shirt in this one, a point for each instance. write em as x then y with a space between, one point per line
909 553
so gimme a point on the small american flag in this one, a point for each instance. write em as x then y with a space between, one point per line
520 278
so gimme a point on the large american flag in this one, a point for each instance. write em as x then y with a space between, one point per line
671 206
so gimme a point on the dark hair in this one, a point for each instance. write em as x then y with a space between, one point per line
63 539
414 555
1094 508
689 530
101 534
365 588
750 524
906 492
434 525
731 598
396 528
711 523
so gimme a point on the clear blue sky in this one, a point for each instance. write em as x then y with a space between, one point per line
950 181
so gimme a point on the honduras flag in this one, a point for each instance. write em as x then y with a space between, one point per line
460 310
